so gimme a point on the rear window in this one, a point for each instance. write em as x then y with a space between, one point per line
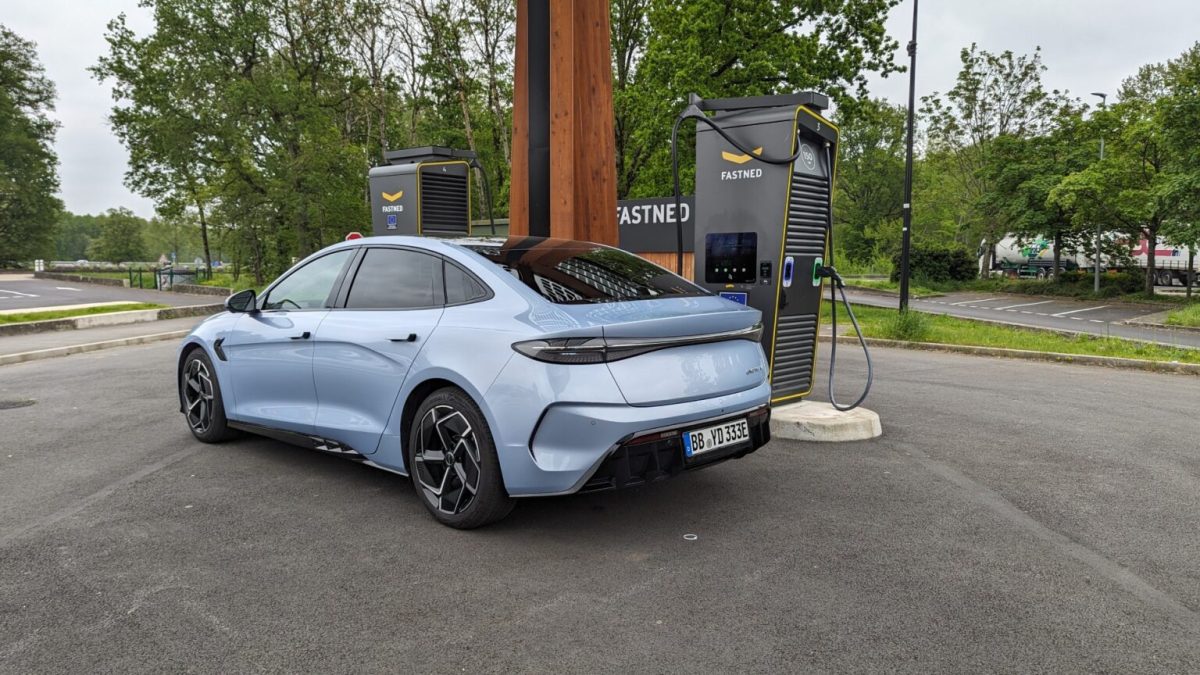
571 272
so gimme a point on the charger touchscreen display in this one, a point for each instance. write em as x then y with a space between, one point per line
730 257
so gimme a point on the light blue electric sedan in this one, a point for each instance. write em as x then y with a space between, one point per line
485 369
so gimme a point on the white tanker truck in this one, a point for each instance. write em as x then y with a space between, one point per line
1034 258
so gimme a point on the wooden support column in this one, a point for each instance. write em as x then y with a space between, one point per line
564 180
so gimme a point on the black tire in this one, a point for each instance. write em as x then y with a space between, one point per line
448 418
203 406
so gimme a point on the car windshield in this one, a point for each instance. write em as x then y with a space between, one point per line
571 272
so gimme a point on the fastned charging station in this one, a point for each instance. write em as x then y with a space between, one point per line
422 191
763 218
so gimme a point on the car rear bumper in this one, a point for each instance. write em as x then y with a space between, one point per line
588 447
648 458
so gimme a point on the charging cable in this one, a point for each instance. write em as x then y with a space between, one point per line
487 194
838 285
694 112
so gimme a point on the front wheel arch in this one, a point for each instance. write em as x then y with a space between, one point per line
183 357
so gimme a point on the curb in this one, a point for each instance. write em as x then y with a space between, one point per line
1161 326
23 357
108 319
1053 357
1067 332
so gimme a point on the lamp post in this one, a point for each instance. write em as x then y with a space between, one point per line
1096 259
908 165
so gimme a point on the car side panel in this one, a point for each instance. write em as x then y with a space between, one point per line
469 348
270 369
360 362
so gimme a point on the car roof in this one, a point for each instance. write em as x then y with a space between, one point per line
512 242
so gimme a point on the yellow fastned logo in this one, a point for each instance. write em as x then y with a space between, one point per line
740 159
393 196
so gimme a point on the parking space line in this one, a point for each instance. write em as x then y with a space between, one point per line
953 304
102 493
1122 576
1023 304
1076 311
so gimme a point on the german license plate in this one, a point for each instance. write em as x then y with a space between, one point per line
700 441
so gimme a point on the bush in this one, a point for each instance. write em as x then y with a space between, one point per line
932 263
908 326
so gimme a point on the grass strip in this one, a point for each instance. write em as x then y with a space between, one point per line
71 313
879 322
1188 316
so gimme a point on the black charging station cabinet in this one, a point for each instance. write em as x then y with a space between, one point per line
761 229
422 191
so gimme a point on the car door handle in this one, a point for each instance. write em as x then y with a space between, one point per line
303 336
411 337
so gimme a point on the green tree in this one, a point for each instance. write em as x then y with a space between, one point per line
28 176
256 118
120 239
1128 190
1021 172
1179 118
178 234
74 235
630 29
720 48
870 175
995 96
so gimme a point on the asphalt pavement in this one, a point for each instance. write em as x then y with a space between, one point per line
22 291
1014 517
1095 317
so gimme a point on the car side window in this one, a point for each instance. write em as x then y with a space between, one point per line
461 286
393 278
309 287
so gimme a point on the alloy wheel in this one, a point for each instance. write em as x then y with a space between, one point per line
198 396
447 459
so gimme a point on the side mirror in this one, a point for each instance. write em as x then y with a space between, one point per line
242 301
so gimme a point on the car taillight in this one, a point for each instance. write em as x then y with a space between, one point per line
564 350
603 350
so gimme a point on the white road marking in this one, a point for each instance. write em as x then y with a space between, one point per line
973 300
1023 304
66 288
24 295
1076 311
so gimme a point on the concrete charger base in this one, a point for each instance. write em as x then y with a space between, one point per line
821 422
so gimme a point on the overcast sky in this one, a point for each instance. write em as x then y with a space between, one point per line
1088 45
